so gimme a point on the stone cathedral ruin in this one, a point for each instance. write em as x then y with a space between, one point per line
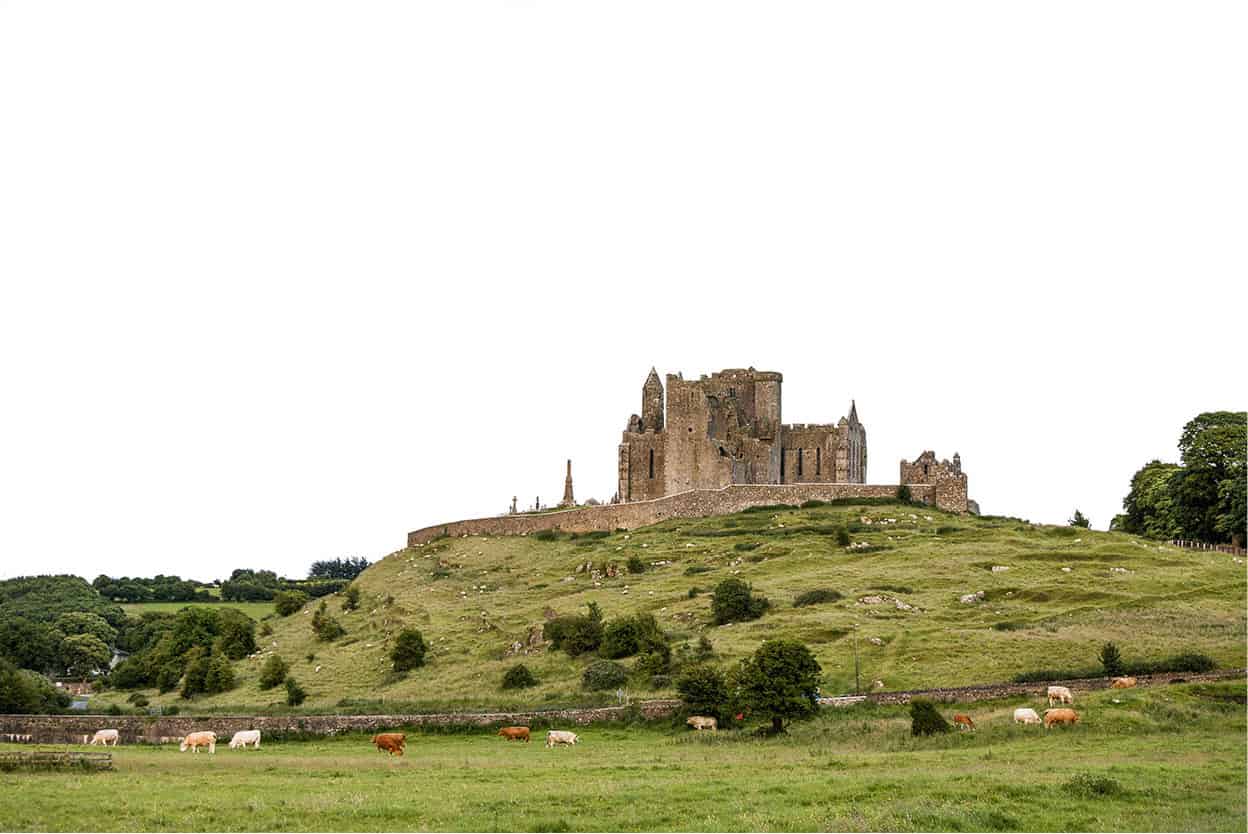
717 445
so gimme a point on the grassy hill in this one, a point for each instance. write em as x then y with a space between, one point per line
472 597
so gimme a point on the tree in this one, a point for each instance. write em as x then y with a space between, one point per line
576 634
518 677
220 675
29 644
1151 505
1079 520
195 678
236 633
925 719
324 626
409 650
351 598
734 602
23 692
1110 659
778 682
84 654
286 603
338 568
274 672
627 636
295 694
704 689
82 622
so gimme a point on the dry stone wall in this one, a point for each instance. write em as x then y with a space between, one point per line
694 503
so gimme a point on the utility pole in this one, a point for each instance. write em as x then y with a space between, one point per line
857 684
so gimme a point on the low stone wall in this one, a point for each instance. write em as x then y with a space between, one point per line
69 729
695 503
988 692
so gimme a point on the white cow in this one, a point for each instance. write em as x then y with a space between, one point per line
702 722
1059 695
197 740
105 737
244 737
1026 715
554 737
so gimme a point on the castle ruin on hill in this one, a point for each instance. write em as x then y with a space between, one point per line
716 445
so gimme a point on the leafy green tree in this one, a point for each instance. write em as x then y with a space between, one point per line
338 568
351 598
704 689
925 719
44 598
734 603
1111 659
295 694
1151 506
1079 520
326 628
28 693
576 634
83 622
518 677
409 650
627 636
84 654
220 675
289 602
195 678
778 681
274 672
236 633
603 674
30 644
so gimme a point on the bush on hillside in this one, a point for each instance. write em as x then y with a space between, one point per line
546 535
925 719
409 650
28 693
576 633
627 636
704 689
1111 660
734 603
286 603
220 675
518 677
811 504
351 598
603 674
635 565
326 628
273 672
295 694
903 494
696 569
815 597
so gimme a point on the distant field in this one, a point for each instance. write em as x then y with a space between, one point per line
255 610
1174 758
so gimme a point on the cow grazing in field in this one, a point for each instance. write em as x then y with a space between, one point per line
1060 716
1059 695
1026 715
1122 683
197 740
702 722
105 737
392 743
244 737
515 733
554 737
963 721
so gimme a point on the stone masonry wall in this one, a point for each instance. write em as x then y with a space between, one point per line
63 729
694 503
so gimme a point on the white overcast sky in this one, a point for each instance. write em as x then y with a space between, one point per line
282 281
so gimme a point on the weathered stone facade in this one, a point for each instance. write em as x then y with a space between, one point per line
946 478
726 429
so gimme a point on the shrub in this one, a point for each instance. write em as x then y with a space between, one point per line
409 650
266 630
140 701
635 565
274 672
113 709
925 719
220 674
295 694
518 677
1009 625
286 603
842 536
546 535
1093 785
946 528
654 663
632 635
744 546
704 690
1111 659
576 633
903 494
603 674
26 692
236 633
693 570
694 591
167 677
811 504
734 602
351 598
815 597
326 628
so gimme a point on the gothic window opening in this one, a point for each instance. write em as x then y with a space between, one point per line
652 463
818 463
799 463
781 464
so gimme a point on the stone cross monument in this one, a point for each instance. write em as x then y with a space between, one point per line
568 499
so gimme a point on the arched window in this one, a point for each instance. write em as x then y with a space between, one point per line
799 463
652 463
818 462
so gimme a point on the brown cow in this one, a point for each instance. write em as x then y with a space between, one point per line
1122 683
1064 715
392 743
515 733
963 722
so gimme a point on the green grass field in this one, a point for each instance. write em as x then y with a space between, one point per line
1174 758
255 610
472 597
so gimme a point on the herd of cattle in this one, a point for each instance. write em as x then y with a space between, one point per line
395 743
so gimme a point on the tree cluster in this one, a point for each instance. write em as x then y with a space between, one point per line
1205 498
347 569
159 588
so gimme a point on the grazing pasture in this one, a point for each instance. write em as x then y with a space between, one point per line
1167 759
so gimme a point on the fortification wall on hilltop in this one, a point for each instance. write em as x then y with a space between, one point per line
694 503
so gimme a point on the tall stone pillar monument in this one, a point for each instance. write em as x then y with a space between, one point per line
568 499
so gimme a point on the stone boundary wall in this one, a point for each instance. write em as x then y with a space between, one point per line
990 691
694 503
151 729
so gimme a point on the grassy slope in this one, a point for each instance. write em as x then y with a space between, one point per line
1168 600
1176 755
